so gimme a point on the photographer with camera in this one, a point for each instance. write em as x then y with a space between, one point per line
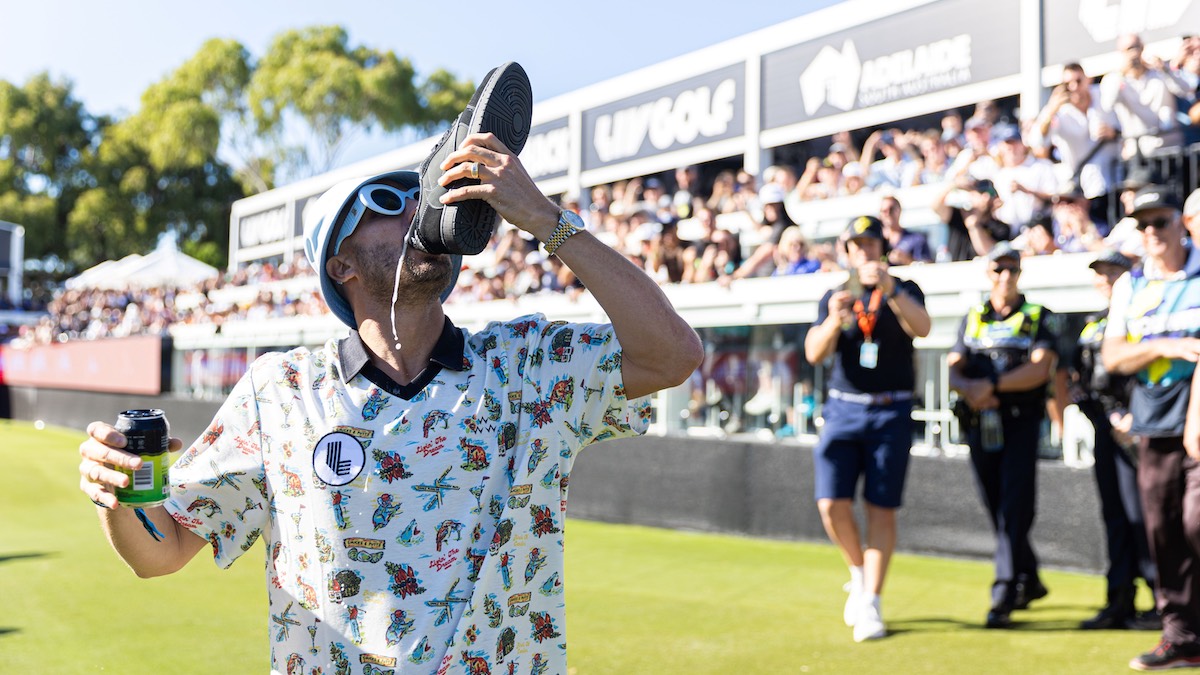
867 328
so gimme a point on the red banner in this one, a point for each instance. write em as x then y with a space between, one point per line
131 365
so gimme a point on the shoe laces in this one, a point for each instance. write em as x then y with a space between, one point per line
1162 648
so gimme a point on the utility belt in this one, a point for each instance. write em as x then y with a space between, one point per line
878 398
1010 409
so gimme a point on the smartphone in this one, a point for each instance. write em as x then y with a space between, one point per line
854 285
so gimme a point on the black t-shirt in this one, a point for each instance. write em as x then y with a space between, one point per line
982 363
958 240
894 370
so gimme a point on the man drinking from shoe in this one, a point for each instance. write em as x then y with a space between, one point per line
867 327
410 480
1153 332
1000 366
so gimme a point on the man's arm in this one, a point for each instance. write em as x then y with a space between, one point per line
1029 375
1191 424
659 348
940 208
977 391
141 552
912 315
821 340
981 239
1058 98
1125 358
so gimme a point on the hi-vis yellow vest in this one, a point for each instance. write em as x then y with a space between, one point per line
1017 332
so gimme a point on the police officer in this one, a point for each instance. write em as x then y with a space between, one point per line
1104 399
867 327
1154 332
1000 365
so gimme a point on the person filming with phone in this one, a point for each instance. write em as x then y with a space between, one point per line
867 328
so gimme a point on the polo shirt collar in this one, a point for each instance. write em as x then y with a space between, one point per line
448 351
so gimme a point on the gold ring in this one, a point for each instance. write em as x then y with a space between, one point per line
475 170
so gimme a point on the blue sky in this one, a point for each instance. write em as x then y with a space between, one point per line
112 50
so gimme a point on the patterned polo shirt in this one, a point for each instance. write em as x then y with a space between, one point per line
413 529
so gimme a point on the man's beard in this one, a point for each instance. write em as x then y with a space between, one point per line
420 280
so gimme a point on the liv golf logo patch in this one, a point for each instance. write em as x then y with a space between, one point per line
338 458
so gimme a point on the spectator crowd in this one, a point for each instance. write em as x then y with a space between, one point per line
1057 182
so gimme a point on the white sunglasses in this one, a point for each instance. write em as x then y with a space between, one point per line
382 199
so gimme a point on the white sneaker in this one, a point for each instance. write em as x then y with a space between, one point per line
760 404
870 623
854 603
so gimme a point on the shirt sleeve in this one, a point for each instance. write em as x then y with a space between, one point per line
218 489
914 291
577 386
1046 337
823 308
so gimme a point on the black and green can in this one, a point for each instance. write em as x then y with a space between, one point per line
148 436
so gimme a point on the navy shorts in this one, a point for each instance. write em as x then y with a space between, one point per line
863 440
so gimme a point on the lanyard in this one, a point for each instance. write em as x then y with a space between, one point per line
866 319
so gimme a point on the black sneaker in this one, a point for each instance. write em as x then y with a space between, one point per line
1110 617
998 617
502 105
1027 592
1168 655
1147 620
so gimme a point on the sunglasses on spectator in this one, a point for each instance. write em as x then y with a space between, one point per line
1159 223
1001 269
382 199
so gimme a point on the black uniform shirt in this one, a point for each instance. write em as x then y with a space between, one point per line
985 362
894 370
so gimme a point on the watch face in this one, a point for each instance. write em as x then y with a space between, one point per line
570 217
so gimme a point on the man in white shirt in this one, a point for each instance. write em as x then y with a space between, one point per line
1024 183
1142 94
1075 123
974 161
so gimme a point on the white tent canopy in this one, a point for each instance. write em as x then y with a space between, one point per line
165 266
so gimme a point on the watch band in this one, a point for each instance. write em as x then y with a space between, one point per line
562 231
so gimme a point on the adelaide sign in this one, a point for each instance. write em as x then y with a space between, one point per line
927 49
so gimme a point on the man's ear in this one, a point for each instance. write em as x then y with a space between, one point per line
340 269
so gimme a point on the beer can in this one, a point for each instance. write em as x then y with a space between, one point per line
148 436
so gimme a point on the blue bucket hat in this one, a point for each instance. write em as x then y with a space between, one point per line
324 221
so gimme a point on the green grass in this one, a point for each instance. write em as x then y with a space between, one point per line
640 600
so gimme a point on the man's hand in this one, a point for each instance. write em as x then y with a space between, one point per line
1184 349
874 273
980 395
1058 98
839 306
102 455
503 183
1191 439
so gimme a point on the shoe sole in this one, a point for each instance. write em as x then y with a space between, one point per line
502 105
1193 662
877 635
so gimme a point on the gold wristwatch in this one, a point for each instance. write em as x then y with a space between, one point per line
569 223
